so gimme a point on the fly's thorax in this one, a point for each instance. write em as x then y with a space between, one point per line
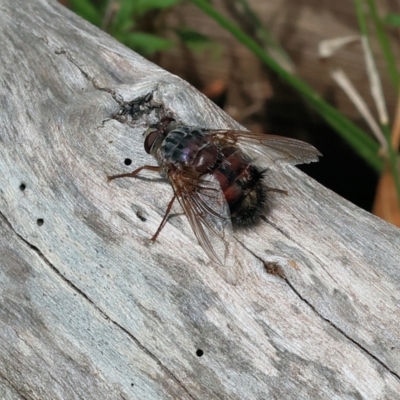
189 149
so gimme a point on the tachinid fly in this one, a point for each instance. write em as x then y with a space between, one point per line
217 177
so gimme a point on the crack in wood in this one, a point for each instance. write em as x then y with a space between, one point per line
360 346
97 308
297 293
12 386
129 111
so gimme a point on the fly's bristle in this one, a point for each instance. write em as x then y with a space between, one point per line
251 207
247 208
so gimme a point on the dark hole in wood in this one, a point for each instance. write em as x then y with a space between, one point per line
199 352
275 269
22 187
140 215
40 222
127 161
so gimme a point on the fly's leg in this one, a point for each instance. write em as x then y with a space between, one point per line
277 190
165 219
135 172
132 175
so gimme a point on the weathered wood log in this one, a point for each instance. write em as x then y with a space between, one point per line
89 309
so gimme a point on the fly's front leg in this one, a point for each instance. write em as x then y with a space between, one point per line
132 175
135 172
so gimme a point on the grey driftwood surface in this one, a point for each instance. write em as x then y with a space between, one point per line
89 309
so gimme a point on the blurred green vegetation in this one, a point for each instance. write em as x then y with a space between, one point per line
392 20
121 19
139 24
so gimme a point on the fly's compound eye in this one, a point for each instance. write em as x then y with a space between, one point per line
151 137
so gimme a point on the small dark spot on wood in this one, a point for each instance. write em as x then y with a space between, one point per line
295 309
275 269
40 221
199 353
132 384
22 187
140 215
127 161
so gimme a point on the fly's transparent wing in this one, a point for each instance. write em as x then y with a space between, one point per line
269 149
208 213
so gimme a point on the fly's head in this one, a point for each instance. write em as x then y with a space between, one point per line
154 136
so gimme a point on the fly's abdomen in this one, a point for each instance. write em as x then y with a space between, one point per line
242 185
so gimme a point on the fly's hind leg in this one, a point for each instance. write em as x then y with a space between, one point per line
285 192
135 172
165 219
270 189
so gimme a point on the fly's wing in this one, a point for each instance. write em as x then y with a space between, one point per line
207 210
269 149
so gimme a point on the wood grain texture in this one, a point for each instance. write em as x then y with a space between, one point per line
89 309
